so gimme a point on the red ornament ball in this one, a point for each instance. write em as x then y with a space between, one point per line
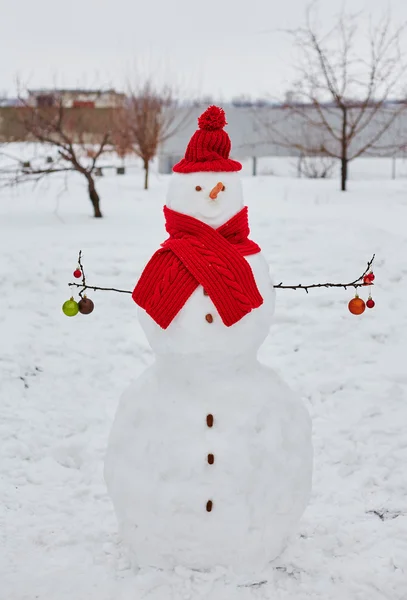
370 303
77 273
371 276
357 306
86 306
367 280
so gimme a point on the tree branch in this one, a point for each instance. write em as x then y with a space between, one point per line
357 283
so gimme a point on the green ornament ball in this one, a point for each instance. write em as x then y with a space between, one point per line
70 308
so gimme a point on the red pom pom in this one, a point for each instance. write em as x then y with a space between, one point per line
212 119
77 273
370 303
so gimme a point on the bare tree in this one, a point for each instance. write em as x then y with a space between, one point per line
147 121
315 167
121 140
72 133
343 102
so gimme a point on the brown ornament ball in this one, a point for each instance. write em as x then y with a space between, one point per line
86 306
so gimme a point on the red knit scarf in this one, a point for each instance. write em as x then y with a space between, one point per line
196 254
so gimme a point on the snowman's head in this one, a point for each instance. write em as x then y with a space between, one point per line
205 184
211 197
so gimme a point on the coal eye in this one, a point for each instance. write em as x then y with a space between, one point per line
198 188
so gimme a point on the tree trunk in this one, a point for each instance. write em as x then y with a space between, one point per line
299 166
344 173
254 166
344 150
94 197
146 173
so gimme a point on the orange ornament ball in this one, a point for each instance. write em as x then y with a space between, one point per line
357 306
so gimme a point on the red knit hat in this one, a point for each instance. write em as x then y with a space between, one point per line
209 147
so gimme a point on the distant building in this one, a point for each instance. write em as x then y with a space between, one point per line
75 98
9 102
261 130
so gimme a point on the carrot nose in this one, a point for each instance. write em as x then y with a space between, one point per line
215 191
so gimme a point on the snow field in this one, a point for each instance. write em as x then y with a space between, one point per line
60 381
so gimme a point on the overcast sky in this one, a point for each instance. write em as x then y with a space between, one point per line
221 48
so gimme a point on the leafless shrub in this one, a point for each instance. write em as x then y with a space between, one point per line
77 137
148 119
342 105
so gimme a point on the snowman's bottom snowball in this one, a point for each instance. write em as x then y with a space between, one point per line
160 480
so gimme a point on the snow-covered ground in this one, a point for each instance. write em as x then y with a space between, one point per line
61 378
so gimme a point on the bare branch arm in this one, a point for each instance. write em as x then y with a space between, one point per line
358 282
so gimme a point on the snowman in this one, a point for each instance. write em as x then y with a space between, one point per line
209 461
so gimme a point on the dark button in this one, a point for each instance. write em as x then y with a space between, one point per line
209 420
205 293
209 506
211 459
209 318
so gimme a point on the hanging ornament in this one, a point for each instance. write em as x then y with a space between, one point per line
370 302
77 273
86 306
369 278
70 308
357 305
